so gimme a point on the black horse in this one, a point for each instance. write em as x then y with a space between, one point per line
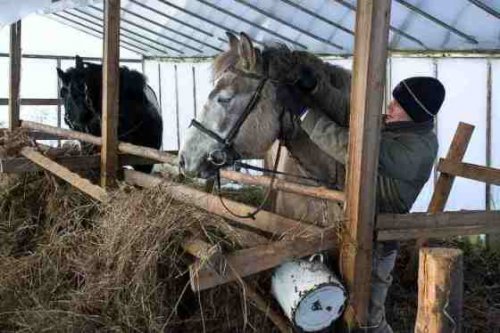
139 121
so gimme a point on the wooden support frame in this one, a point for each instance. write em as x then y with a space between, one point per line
367 95
33 101
14 74
457 150
110 93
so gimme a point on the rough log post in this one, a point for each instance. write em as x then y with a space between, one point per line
367 94
440 289
110 92
74 179
14 74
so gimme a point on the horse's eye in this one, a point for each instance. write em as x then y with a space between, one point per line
224 100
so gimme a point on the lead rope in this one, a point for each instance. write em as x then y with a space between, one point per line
271 185
266 197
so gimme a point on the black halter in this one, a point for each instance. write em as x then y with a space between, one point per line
229 139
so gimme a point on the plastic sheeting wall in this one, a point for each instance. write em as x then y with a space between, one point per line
183 88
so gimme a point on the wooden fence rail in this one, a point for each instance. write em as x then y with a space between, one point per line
166 157
470 171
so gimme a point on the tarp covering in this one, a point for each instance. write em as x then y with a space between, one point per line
14 10
184 28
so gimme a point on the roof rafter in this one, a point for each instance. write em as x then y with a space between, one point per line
391 28
292 26
438 21
98 34
233 15
486 8
99 19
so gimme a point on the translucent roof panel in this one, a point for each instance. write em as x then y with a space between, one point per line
194 28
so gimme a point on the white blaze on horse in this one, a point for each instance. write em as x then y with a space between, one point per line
241 118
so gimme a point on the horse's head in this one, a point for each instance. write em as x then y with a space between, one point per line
240 119
79 108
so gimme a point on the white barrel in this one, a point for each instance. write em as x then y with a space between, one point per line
309 293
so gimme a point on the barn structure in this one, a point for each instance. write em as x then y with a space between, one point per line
166 32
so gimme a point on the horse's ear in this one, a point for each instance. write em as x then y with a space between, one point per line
233 41
62 76
79 62
247 51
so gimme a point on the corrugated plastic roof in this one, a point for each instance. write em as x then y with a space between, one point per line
194 28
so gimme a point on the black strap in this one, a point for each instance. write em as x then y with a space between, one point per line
199 126
248 109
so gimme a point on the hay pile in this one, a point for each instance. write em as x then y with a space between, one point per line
69 264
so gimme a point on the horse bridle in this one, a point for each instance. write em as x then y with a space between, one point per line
227 142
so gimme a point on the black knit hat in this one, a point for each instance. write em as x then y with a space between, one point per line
421 97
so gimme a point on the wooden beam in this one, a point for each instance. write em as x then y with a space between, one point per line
123 147
110 93
456 153
33 101
14 74
440 290
367 95
264 221
74 179
470 171
257 259
19 165
205 252
438 225
282 185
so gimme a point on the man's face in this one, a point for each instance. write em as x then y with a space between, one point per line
395 113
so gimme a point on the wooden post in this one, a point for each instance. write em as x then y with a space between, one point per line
440 290
110 92
15 74
367 94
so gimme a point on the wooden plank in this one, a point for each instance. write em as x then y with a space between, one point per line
437 225
470 171
282 185
74 179
19 165
110 93
442 219
211 254
264 221
456 152
33 101
14 74
440 290
257 259
128 148
367 94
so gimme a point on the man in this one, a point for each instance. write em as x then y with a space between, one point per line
408 148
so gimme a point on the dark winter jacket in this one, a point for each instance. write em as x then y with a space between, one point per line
407 154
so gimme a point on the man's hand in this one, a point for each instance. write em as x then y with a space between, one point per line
291 98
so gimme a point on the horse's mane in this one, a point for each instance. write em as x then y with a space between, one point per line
339 77
132 83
